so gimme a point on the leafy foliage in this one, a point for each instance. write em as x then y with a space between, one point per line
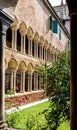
57 81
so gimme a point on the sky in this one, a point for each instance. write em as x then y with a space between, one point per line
56 2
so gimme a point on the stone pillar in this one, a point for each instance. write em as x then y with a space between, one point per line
11 81
35 49
21 82
23 87
14 37
24 43
35 81
14 81
72 4
2 82
29 81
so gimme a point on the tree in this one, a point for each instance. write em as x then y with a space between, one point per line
57 82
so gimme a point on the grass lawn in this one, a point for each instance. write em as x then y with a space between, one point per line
19 119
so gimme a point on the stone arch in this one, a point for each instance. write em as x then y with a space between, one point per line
15 23
22 66
46 44
30 68
36 37
36 68
22 28
30 33
12 65
41 40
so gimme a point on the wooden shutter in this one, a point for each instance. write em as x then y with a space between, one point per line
55 26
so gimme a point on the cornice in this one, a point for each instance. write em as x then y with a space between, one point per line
4 17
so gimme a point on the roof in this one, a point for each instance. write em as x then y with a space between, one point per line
53 12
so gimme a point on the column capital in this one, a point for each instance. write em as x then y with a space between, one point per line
72 5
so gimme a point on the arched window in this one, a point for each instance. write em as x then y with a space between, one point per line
9 38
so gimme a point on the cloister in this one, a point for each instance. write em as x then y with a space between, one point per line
25 43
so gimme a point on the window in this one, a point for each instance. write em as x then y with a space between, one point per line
53 25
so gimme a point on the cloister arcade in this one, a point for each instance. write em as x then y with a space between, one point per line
22 76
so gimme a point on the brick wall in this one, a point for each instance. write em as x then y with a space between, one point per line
23 99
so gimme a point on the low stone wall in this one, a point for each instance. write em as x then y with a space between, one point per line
18 99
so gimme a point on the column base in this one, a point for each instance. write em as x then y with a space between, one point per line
3 125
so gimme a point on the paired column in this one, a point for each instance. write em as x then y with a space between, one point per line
35 81
14 38
36 50
29 81
22 82
13 80
29 47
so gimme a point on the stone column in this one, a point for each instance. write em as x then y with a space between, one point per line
13 39
35 81
23 88
72 4
35 49
2 82
21 82
29 81
14 81
24 43
11 81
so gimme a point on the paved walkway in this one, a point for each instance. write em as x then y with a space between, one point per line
25 106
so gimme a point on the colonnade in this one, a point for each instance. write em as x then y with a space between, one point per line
25 41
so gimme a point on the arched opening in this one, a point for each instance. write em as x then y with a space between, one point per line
18 79
38 51
33 81
7 80
26 81
33 48
18 41
9 38
26 45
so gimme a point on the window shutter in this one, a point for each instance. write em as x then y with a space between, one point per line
50 22
55 26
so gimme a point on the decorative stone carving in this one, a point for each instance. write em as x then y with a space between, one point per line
36 37
22 67
30 69
45 44
30 33
22 28
12 65
41 40
14 24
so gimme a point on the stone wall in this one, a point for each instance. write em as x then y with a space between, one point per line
23 99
